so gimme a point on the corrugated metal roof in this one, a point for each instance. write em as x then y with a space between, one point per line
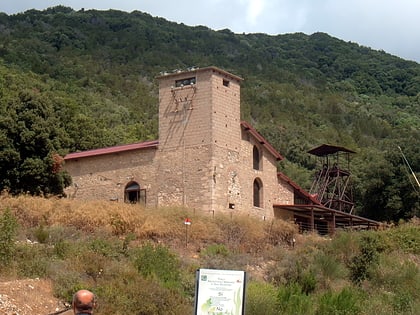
326 149
115 149
261 140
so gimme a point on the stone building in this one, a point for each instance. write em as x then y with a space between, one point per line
206 158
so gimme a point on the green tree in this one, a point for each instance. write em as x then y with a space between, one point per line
31 140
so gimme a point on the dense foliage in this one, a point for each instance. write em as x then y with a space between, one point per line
91 76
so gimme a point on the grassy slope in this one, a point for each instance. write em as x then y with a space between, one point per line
120 250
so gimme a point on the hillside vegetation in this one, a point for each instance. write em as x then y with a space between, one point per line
77 80
144 261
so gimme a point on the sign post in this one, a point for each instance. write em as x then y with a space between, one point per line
187 223
220 292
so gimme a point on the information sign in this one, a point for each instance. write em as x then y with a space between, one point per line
220 292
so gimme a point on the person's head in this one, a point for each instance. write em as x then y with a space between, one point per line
84 302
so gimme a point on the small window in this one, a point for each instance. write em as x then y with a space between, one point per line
231 206
226 83
185 82
256 158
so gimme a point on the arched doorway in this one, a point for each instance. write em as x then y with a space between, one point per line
133 193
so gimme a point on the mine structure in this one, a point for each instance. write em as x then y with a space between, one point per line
332 181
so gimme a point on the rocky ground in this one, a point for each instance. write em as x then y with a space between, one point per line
29 297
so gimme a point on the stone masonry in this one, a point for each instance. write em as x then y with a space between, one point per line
205 158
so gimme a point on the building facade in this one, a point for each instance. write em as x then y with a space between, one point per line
205 157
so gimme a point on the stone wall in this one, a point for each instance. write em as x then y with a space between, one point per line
106 176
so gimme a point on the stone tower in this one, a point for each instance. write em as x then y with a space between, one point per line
199 137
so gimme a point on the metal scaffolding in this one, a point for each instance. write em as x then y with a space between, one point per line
331 185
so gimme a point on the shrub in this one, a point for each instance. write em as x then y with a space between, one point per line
327 268
62 249
344 246
281 232
215 250
291 300
403 303
393 274
41 234
346 302
369 256
32 260
406 237
157 261
8 231
124 290
103 247
261 299
66 280
294 271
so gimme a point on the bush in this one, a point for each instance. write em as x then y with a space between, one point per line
369 256
346 302
344 246
157 261
215 250
327 268
42 234
261 299
403 303
406 237
62 249
8 231
33 260
291 300
124 290
295 271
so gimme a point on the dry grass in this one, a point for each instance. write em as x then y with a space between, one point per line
243 233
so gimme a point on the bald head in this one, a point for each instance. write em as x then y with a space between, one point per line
83 302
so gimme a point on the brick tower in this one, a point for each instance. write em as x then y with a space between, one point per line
199 137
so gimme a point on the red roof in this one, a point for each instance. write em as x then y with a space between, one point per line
261 140
154 144
115 149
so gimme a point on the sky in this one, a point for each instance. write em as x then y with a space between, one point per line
389 25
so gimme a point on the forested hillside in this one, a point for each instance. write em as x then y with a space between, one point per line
76 80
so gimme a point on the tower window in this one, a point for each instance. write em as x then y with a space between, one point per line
185 82
226 83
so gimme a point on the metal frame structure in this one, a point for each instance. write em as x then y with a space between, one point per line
329 204
331 185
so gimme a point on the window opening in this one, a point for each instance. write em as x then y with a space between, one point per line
256 158
258 193
226 83
185 82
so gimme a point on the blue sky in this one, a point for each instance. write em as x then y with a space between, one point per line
389 25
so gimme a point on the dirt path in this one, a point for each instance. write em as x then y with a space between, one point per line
28 297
